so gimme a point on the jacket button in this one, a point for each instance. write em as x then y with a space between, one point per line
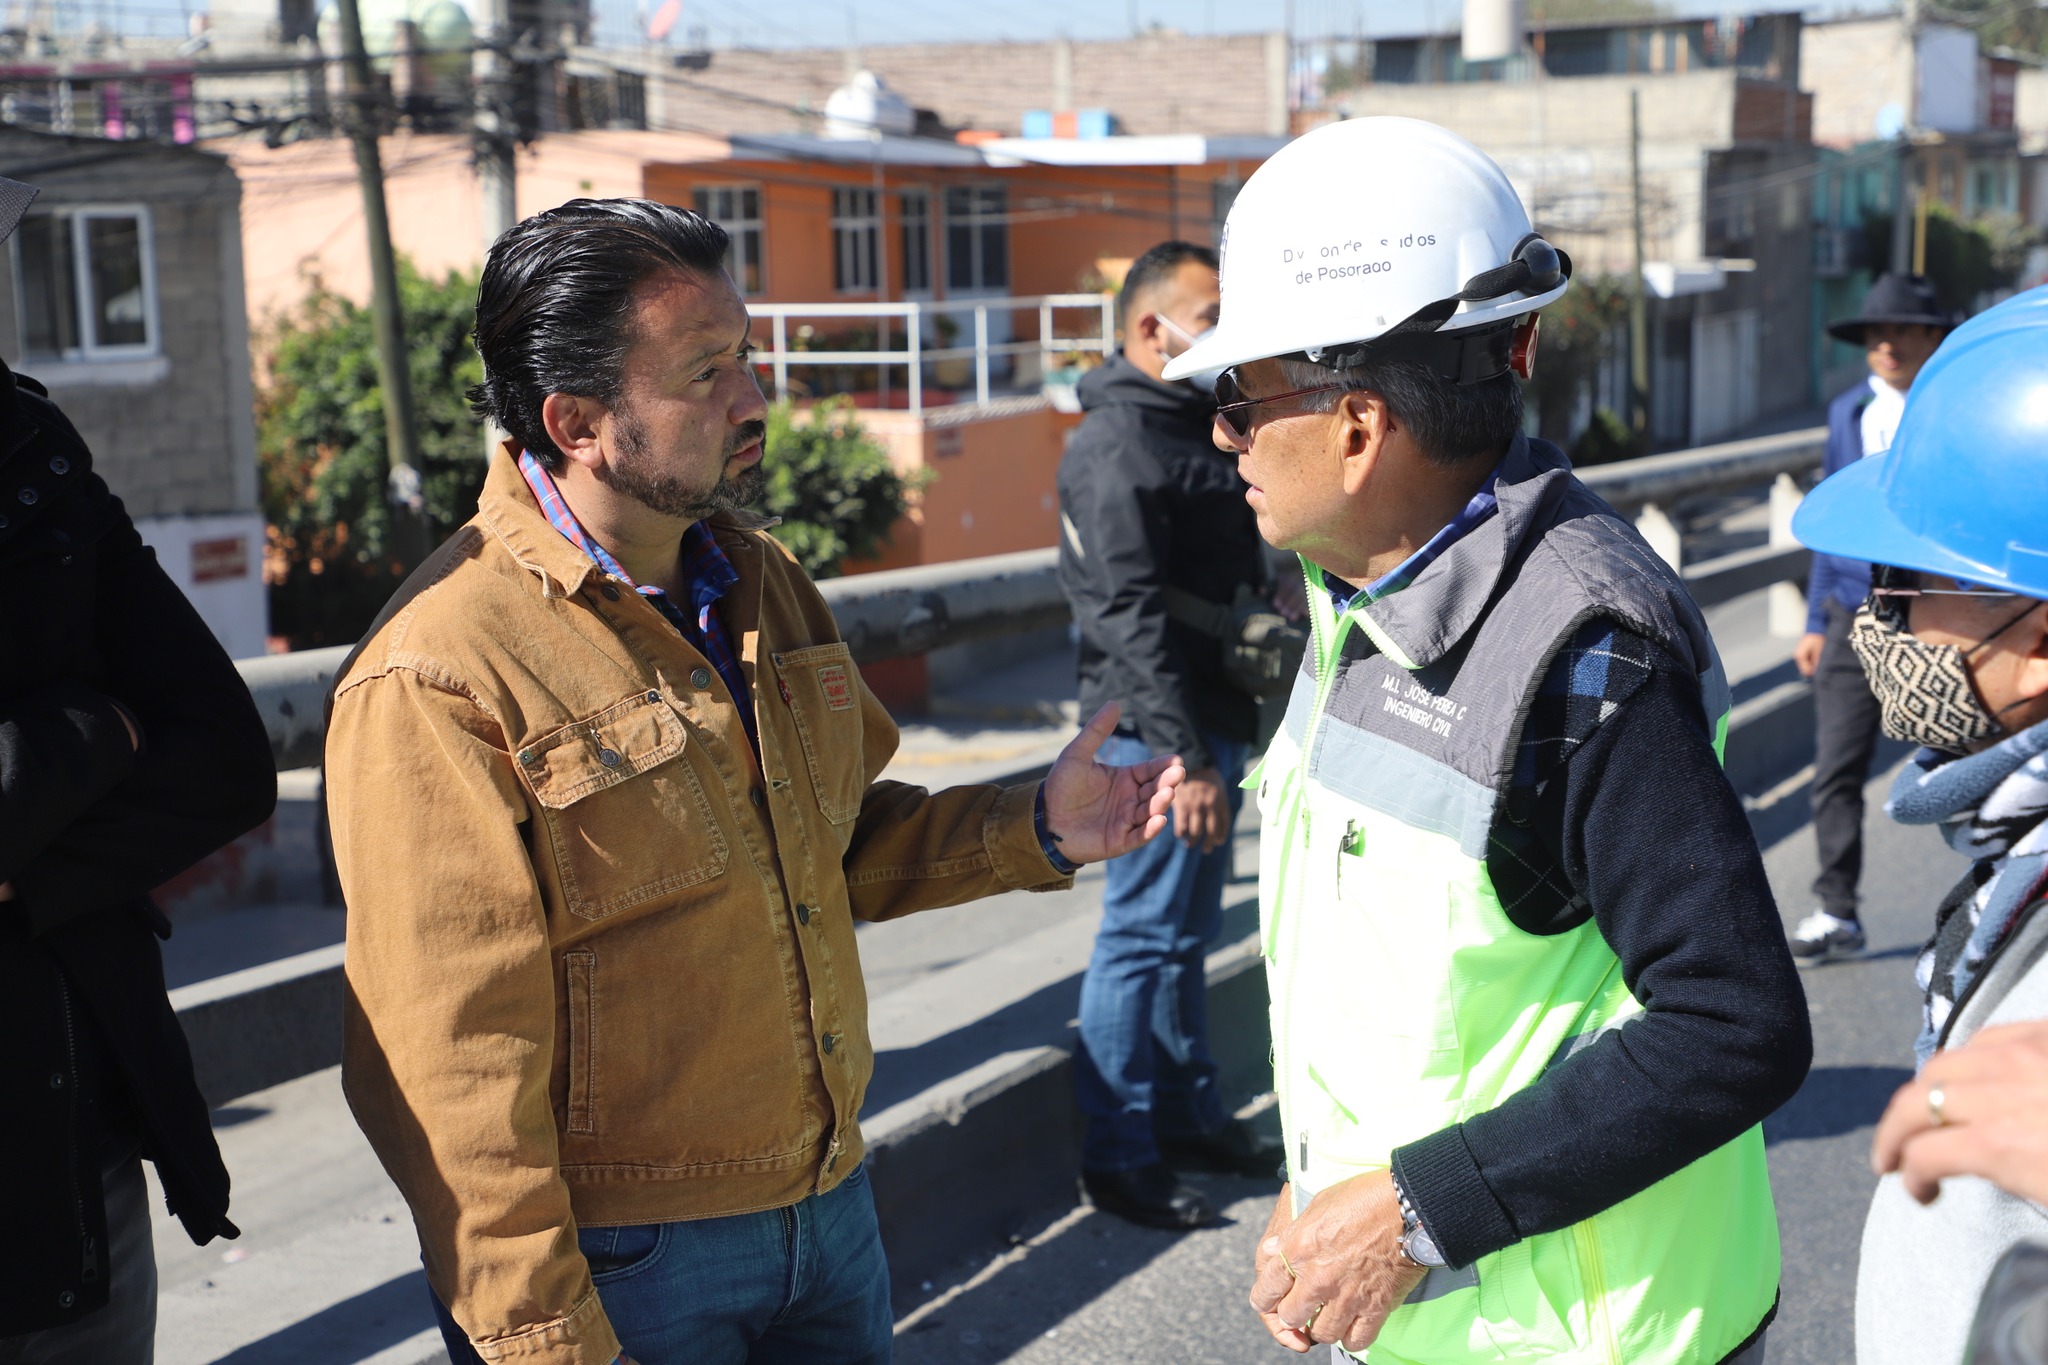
528 757
27 496
700 678
608 757
59 465
653 698
57 1081
610 592
803 913
757 796
66 1298
828 1042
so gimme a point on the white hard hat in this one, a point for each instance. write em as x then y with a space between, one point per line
1373 228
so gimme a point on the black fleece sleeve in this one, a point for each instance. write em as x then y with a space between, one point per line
205 774
1122 504
61 749
1651 834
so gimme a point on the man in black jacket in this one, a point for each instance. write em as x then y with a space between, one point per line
1148 505
129 750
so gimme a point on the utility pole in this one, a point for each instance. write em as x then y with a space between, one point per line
1638 306
1920 232
496 171
1902 231
495 168
394 370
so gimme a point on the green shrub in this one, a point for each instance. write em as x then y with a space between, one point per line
1607 439
832 485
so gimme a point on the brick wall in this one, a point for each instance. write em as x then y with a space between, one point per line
172 434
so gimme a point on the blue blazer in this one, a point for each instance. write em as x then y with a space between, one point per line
1833 578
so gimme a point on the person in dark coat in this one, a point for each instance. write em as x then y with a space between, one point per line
1899 327
129 750
1149 505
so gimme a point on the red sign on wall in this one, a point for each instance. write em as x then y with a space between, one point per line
215 560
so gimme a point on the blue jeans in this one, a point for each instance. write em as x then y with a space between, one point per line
1143 1070
805 1284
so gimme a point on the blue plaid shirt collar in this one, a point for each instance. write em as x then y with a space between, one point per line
706 569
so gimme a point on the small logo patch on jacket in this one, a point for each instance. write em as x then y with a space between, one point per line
838 687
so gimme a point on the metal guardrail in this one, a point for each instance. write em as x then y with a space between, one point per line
1629 484
903 612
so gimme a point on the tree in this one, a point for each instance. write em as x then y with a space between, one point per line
321 443
833 486
1576 338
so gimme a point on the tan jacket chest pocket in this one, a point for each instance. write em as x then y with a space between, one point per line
821 686
626 816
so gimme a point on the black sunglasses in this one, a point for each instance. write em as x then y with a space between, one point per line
1234 410
1890 586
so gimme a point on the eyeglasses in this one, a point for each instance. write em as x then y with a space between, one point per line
1234 410
1890 585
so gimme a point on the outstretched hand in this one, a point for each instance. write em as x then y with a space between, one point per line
1101 812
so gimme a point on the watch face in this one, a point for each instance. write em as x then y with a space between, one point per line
1421 1248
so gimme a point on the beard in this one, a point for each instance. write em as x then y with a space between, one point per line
634 473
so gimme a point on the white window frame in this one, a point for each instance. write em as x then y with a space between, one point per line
856 241
976 220
89 349
924 223
737 226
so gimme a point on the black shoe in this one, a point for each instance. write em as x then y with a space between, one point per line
1234 1149
1150 1196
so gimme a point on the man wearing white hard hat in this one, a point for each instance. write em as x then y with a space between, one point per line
1530 994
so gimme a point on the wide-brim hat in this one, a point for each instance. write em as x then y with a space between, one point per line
1898 300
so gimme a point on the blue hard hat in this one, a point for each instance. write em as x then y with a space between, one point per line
1963 491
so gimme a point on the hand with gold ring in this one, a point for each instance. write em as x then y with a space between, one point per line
1979 1109
1337 1270
1271 1266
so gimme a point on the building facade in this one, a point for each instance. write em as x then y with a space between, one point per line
123 295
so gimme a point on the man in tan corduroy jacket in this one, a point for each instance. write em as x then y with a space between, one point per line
603 782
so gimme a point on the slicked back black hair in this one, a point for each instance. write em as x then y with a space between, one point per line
554 308
1156 267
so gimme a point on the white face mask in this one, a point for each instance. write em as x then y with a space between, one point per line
1201 381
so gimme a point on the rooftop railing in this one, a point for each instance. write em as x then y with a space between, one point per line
924 323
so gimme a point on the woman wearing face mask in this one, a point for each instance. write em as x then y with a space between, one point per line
1954 638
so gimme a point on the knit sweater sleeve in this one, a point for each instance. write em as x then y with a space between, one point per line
1652 842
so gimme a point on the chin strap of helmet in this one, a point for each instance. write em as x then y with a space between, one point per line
1473 355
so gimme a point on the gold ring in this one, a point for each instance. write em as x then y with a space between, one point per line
1937 1102
1286 1267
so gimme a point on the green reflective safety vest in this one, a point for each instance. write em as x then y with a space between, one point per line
1404 1000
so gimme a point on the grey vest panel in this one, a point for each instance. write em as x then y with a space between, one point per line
1435 745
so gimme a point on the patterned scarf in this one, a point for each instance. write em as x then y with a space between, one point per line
1992 807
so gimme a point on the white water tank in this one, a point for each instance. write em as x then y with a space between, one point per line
866 105
1492 30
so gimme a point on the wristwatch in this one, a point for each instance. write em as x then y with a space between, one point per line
1416 1243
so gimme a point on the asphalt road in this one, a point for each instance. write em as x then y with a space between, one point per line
1090 1289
